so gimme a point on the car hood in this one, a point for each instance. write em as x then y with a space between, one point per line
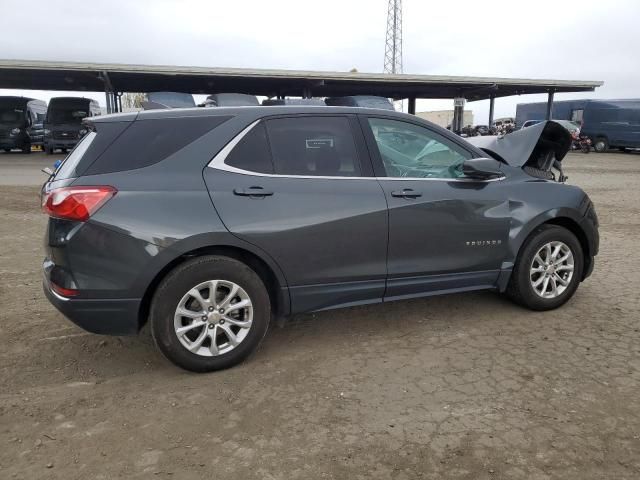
527 145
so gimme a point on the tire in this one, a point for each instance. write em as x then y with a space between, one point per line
586 148
48 150
26 148
601 145
7 150
521 289
179 284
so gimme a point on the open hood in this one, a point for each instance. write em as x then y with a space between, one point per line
538 146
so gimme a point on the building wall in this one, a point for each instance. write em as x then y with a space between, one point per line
445 117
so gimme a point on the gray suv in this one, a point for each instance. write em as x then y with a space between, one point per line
208 223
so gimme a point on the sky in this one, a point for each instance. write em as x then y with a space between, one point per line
586 40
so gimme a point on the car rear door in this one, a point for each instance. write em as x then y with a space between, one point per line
302 189
446 232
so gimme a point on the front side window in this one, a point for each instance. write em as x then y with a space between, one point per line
412 151
313 146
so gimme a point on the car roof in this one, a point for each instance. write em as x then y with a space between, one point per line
263 111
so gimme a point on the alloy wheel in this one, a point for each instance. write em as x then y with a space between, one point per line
552 269
213 318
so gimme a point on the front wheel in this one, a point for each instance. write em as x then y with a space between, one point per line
210 313
548 269
26 148
601 145
586 148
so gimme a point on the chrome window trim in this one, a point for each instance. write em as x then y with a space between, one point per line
218 163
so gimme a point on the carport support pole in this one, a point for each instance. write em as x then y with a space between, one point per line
412 105
492 102
550 105
458 115
107 95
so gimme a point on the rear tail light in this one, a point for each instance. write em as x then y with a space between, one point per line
65 292
76 203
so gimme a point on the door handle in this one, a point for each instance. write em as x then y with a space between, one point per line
252 192
406 193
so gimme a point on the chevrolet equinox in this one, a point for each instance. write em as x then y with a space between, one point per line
208 223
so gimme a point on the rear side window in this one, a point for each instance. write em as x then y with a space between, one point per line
146 142
252 152
315 146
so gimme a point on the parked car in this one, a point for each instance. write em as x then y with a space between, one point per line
530 123
365 101
21 123
161 100
63 124
607 123
209 223
293 101
230 100
482 130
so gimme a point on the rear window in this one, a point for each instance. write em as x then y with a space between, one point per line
100 139
146 142
68 167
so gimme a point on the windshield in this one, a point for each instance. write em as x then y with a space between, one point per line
12 115
68 114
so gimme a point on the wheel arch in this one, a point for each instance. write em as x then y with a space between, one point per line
270 274
575 228
565 218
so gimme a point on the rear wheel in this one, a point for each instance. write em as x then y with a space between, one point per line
7 150
601 145
210 313
548 269
26 148
48 150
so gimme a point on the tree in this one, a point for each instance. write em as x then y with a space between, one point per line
133 100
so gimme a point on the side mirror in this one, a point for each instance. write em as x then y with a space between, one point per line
482 168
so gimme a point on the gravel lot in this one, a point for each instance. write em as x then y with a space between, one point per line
464 386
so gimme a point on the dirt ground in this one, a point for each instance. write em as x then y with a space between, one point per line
458 387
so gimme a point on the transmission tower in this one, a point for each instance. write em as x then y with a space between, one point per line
393 46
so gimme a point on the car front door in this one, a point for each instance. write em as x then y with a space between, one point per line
302 189
446 232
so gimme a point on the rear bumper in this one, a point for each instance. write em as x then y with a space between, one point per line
104 316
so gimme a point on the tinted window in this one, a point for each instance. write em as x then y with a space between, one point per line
313 146
252 152
147 142
412 151
68 167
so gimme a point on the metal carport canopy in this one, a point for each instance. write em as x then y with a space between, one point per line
98 77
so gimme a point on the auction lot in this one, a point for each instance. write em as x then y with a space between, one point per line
464 386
